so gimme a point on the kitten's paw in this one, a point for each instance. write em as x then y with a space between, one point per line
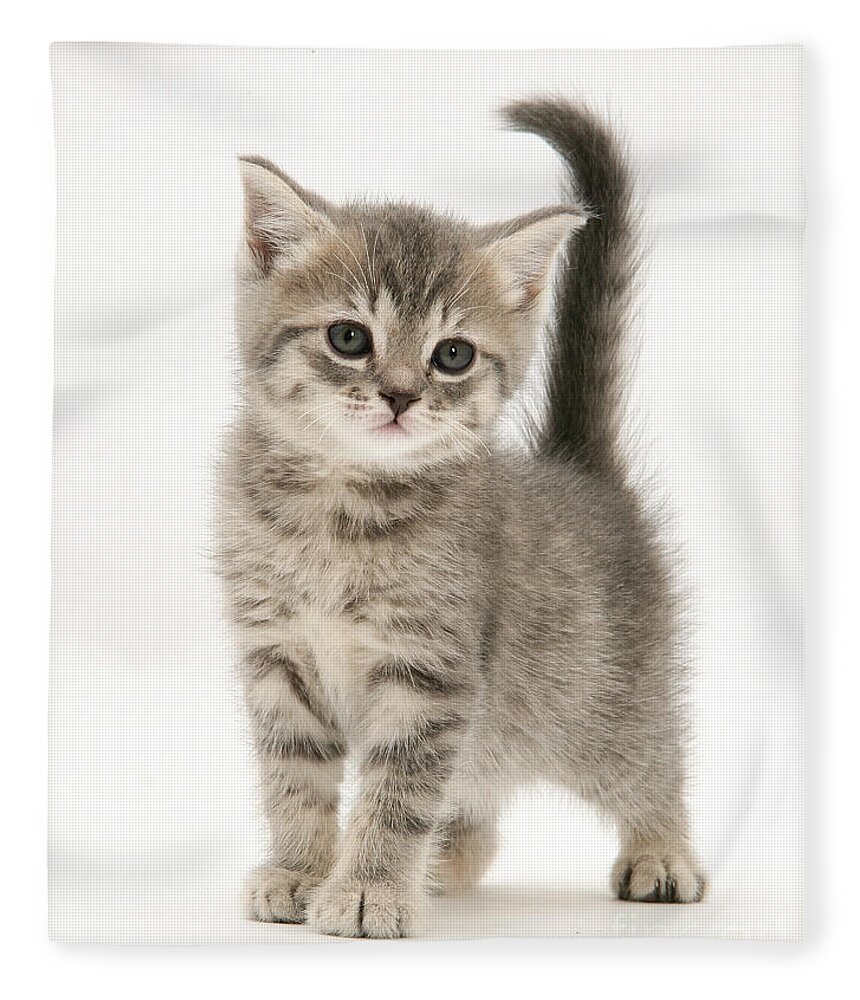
656 876
452 874
277 895
355 910
466 851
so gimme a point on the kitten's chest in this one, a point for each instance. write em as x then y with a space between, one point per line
342 583
340 650
332 597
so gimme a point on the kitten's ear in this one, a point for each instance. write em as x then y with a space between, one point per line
279 215
527 249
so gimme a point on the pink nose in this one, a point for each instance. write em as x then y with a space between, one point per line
399 401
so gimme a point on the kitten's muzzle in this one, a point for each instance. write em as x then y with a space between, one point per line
399 401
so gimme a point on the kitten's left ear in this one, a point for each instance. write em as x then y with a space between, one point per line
279 215
527 249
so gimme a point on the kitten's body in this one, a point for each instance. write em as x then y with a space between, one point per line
463 621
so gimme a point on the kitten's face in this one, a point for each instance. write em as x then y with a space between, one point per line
387 338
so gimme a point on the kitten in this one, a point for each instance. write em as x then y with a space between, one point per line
463 620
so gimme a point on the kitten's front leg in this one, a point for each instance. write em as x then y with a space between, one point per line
300 756
414 735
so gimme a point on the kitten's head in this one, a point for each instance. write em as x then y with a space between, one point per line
386 336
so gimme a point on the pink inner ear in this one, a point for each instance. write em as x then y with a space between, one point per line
275 212
531 288
261 251
532 291
529 253
272 232
262 248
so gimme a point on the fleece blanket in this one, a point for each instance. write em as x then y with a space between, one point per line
154 812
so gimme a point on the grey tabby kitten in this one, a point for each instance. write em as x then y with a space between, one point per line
462 620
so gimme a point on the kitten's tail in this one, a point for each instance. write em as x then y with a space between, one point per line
584 384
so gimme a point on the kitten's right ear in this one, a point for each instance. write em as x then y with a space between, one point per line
279 215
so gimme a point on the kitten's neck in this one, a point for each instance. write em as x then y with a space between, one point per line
299 495
289 467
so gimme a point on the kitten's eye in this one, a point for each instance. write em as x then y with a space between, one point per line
453 355
349 339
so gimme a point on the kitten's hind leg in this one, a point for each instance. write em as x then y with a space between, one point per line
466 848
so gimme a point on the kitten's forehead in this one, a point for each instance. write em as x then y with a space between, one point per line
415 258
404 338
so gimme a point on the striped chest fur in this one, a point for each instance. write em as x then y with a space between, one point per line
343 574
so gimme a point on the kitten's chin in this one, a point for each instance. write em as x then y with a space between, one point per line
389 448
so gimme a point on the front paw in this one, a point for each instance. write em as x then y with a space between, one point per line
656 876
278 895
353 909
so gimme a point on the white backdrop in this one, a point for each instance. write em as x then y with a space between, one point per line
153 817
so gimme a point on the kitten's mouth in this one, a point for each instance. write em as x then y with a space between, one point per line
392 427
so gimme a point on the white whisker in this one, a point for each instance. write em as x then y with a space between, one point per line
481 261
350 285
367 254
313 409
352 273
373 254
327 427
451 422
467 309
316 420
450 433
357 261
462 447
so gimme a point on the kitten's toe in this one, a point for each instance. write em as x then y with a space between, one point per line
277 895
658 877
357 910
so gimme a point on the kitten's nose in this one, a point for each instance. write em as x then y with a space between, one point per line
399 401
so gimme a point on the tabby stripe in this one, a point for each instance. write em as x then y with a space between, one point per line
265 661
501 371
282 337
347 528
412 761
405 823
424 734
303 747
415 677
331 371
428 772
307 798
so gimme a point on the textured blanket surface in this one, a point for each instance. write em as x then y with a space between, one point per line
153 812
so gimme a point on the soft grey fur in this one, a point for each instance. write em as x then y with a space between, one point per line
462 620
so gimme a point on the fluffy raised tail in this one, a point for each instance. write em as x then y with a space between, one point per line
584 379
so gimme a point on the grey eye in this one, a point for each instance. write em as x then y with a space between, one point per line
350 339
453 355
